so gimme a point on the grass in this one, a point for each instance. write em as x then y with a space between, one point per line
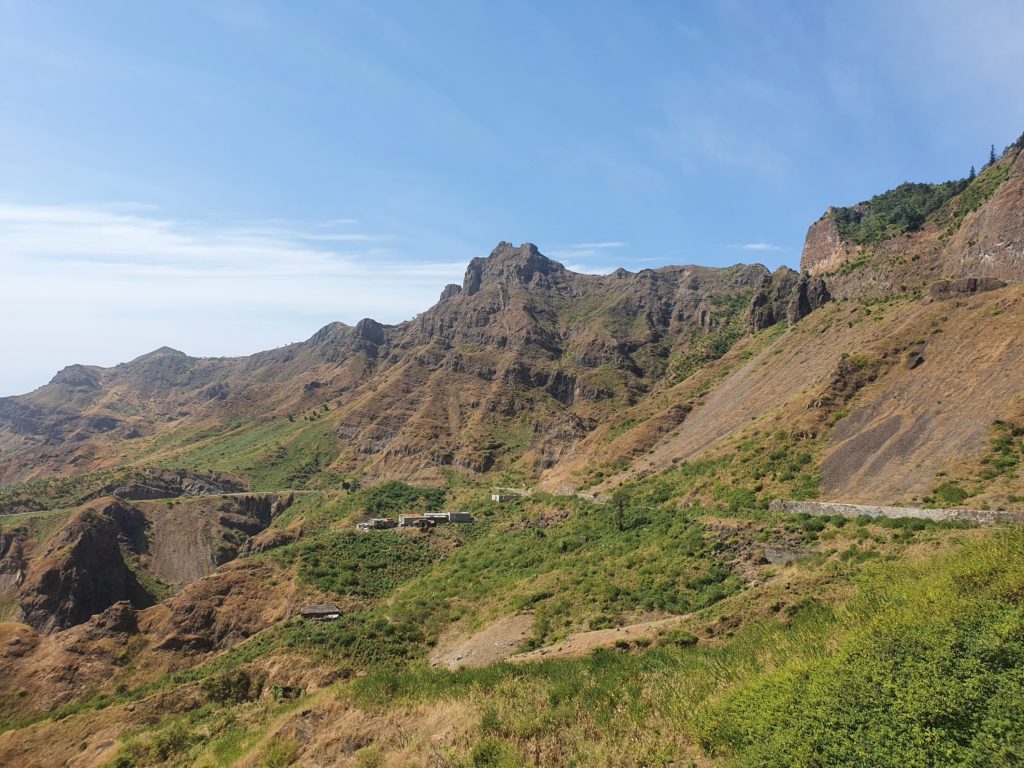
273 455
921 666
357 564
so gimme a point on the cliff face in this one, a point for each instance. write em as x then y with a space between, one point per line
978 232
825 250
82 571
990 241
107 548
785 295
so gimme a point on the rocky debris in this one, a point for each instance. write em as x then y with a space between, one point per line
785 295
964 286
749 546
120 618
271 538
542 521
495 642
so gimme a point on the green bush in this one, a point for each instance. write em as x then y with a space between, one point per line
229 687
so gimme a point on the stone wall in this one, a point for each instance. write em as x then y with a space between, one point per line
978 516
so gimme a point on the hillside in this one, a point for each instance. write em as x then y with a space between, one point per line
638 602
506 372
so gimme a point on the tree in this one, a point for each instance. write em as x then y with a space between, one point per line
619 503
991 155
971 176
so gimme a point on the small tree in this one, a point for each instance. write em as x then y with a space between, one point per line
619 504
991 155
971 176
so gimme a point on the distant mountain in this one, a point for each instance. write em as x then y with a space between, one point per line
543 375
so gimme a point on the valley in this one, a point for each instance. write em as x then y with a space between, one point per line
659 596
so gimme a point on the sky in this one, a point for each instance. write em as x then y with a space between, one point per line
226 176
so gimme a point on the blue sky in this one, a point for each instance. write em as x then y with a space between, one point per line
228 176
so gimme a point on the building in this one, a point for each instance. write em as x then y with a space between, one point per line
449 517
376 524
324 612
501 498
415 521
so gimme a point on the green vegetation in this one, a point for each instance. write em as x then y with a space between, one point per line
728 325
977 193
920 667
762 466
63 492
273 455
900 210
996 477
357 564
927 672
909 206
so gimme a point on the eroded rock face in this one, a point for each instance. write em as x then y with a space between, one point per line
221 609
986 243
157 483
990 241
965 286
785 295
91 563
825 250
82 571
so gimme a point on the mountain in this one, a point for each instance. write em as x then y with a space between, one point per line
511 369
163 521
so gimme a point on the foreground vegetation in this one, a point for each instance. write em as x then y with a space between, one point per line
889 643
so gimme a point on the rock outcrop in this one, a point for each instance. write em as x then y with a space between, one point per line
825 250
785 295
82 572
964 286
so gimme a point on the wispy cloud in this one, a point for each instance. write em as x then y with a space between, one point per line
101 284
758 247
598 246
593 258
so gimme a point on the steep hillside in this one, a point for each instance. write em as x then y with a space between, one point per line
60 567
507 371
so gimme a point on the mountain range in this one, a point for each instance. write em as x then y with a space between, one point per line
162 521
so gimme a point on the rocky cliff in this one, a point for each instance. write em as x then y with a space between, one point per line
915 234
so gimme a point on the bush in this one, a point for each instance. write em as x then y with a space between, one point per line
229 687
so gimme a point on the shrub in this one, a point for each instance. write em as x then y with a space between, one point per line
229 687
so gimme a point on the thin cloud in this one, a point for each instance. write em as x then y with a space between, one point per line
599 245
758 247
95 284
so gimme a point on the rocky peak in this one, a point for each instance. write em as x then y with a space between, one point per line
451 290
332 332
161 354
523 264
370 331
81 377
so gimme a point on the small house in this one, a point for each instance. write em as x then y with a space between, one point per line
415 521
324 612
501 498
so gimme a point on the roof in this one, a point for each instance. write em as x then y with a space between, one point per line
324 608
